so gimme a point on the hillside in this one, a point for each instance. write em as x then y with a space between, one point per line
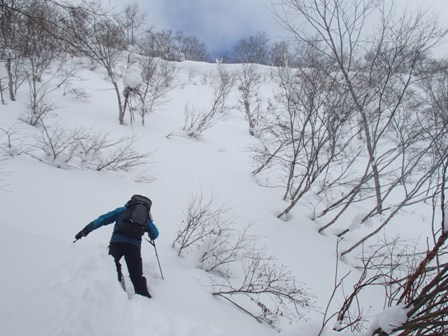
50 286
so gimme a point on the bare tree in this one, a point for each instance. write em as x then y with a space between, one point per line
272 290
224 248
157 78
196 122
2 97
98 36
66 148
121 157
203 219
253 49
58 145
377 73
302 138
249 82
163 45
208 228
132 22
415 283
43 59
418 291
56 74
434 82
423 139
11 42
280 55
173 46
14 143
190 48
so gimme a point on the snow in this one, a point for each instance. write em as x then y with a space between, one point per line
388 319
131 77
52 286
358 221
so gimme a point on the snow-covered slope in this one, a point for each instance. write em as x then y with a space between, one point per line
50 286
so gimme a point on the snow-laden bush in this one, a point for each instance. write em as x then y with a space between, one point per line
147 85
198 121
12 142
240 272
83 148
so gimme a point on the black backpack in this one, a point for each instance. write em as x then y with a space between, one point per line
135 217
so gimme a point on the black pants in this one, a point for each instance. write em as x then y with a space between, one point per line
133 258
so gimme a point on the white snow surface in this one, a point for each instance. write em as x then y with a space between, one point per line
388 319
50 286
131 77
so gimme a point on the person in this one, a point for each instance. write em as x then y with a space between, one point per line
123 245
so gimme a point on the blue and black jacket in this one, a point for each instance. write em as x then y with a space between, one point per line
116 216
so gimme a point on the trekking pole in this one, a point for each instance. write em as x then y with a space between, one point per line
157 255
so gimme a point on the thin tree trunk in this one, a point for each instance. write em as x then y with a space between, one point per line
121 109
369 141
1 92
10 79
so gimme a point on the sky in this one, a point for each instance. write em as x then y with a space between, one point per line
221 24
218 24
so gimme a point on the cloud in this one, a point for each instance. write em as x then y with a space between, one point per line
218 24
221 23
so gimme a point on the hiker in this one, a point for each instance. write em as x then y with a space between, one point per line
131 222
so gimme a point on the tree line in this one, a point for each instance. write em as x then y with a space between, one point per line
38 35
362 124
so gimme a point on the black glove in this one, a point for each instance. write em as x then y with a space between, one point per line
84 232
